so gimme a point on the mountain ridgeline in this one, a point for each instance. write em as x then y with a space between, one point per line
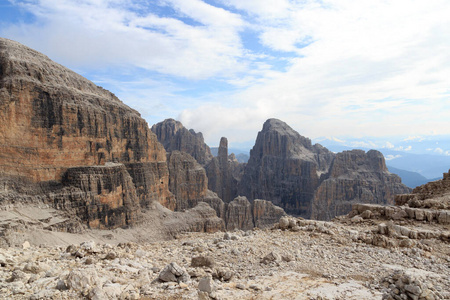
76 147
304 179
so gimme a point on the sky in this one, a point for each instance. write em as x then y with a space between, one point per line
359 71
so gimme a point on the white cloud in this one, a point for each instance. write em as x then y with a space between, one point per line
99 34
391 157
413 138
372 69
350 68
404 148
389 145
442 151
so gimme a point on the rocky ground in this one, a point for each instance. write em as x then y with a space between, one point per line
297 259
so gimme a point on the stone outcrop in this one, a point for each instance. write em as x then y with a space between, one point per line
284 168
201 218
309 180
435 194
174 136
241 214
52 119
265 214
355 177
103 196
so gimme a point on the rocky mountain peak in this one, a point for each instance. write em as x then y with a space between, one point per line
277 137
174 136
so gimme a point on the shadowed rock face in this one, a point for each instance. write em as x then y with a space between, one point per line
241 214
187 180
284 168
52 119
309 180
355 177
174 136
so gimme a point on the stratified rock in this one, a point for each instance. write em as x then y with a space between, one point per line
239 214
355 177
265 213
309 180
201 218
430 195
52 120
187 180
284 168
174 136
216 203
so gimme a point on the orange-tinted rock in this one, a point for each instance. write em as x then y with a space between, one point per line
265 213
52 119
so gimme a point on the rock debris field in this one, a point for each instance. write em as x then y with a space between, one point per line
297 259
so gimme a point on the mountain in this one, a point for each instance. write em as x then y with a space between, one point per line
410 179
311 181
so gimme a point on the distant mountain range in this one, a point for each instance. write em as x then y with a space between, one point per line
410 179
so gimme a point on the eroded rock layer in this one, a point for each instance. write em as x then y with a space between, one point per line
174 136
284 168
355 177
435 194
309 180
52 119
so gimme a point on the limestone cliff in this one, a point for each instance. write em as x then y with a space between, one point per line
174 136
355 177
284 168
187 180
309 180
52 119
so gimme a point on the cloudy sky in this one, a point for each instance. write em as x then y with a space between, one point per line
344 69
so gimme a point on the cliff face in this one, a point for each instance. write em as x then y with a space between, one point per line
309 180
52 119
174 136
187 180
355 177
285 168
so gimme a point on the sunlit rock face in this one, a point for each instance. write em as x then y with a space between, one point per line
52 120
